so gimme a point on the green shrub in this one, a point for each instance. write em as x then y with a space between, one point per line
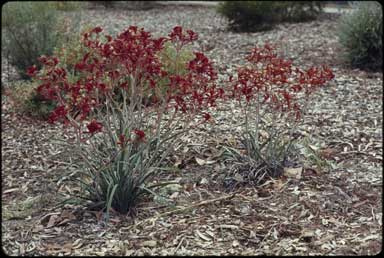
26 100
250 15
361 32
174 63
28 30
254 16
71 51
301 11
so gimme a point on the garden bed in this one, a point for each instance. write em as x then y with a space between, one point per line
335 211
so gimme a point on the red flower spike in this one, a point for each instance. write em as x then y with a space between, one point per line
123 140
276 80
58 113
107 63
109 38
94 127
97 30
206 117
80 66
32 71
192 35
140 135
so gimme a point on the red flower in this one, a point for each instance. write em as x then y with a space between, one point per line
109 38
32 71
159 43
176 32
287 98
59 112
94 127
80 66
122 140
97 30
206 116
192 35
140 135
134 53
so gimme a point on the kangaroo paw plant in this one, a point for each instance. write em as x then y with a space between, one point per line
121 139
270 91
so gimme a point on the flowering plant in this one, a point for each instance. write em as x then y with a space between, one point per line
121 140
271 90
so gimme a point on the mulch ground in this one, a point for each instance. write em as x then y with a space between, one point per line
328 211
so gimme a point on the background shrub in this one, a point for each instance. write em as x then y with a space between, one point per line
254 16
106 4
28 30
250 15
301 11
361 34
132 5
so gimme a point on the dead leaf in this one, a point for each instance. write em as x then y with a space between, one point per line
293 172
203 162
149 243
77 244
328 153
202 236
11 190
52 221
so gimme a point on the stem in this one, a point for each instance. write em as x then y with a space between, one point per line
247 129
257 120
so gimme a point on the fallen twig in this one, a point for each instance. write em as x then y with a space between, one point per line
184 209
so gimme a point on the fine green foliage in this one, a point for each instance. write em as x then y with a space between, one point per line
173 62
26 100
361 35
252 16
28 30
69 6
71 51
